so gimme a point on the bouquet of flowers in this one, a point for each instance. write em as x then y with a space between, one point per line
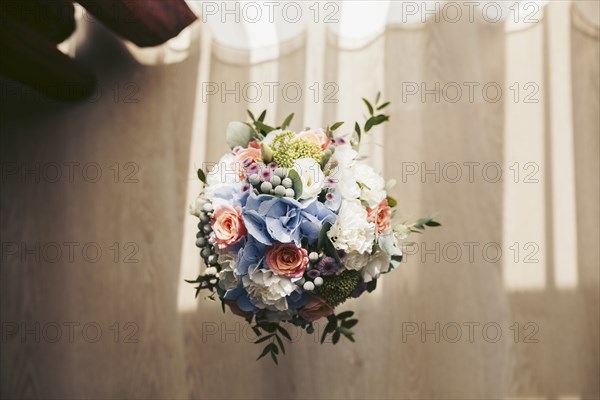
294 224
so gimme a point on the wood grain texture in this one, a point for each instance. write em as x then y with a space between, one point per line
206 354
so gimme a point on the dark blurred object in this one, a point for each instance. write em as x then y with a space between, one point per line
31 29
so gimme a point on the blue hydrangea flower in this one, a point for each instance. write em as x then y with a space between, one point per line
272 219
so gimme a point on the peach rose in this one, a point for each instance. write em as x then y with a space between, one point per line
228 226
288 260
243 157
381 216
315 136
315 308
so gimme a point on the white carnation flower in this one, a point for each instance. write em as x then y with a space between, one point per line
378 264
352 231
340 171
228 279
401 231
355 260
372 184
311 175
267 290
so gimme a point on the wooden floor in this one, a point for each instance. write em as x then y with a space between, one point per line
92 259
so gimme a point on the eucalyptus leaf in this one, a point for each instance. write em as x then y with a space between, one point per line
287 121
263 127
238 134
336 125
369 106
384 105
392 202
296 183
201 175
262 116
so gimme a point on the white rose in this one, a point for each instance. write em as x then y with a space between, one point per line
378 264
372 184
352 231
311 175
197 205
267 290
389 244
355 260
222 173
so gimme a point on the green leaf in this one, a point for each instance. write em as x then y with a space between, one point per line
201 175
263 127
357 130
369 106
280 344
330 250
287 121
265 351
251 115
384 105
345 314
296 183
323 236
266 152
350 323
371 122
284 332
263 339
392 202
433 223
256 331
336 337
262 116
336 125
371 285
350 338
378 97
238 134
274 358
271 328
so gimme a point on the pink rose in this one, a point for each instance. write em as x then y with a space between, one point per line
315 308
315 136
381 216
243 157
228 226
287 259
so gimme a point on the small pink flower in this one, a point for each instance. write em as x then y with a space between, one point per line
244 157
315 308
315 136
381 216
228 226
288 260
